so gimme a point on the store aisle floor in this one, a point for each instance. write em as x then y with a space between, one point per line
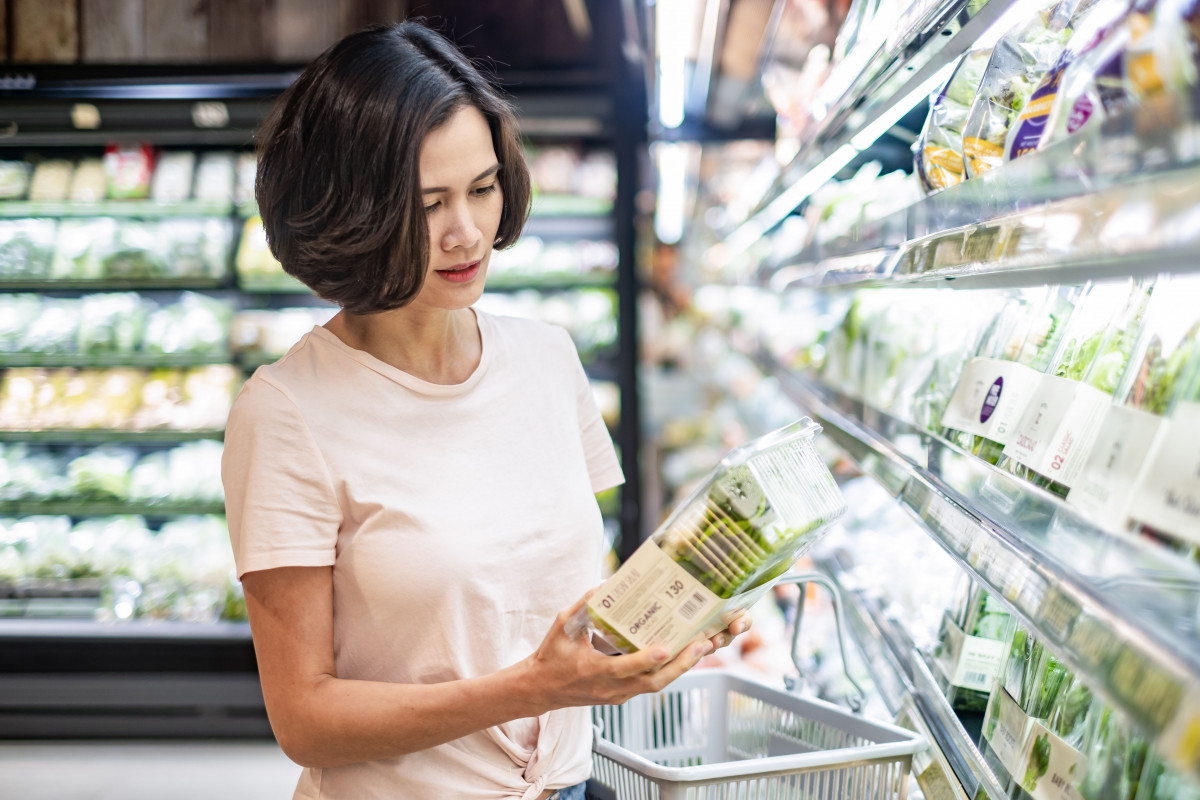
145 771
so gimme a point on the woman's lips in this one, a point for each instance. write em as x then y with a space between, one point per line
460 274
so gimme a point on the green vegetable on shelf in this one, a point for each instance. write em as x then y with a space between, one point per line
1039 762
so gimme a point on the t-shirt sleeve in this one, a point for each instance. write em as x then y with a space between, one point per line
603 466
279 500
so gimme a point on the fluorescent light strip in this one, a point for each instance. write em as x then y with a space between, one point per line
672 191
671 25
777 210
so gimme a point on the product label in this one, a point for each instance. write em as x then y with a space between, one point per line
1005 727
989 398
979 663
980 154
971 662
1081 112
1052 767
1027 133
652 600
1056 432
1105 484
1168 495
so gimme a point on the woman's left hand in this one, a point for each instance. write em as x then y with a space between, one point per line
736 627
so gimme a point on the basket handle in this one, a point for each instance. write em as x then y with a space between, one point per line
857 700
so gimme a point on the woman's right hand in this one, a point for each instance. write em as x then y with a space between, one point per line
566 670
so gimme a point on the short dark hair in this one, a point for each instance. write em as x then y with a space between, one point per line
338 182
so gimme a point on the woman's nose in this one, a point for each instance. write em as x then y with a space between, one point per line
461 230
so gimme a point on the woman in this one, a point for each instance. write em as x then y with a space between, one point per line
411 489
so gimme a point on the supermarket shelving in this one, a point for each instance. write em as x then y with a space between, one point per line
1120 612
1119 199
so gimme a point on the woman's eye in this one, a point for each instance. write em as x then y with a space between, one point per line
485 190
431 208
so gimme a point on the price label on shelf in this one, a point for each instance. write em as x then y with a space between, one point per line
1057 613
1168 493
1150 693
990 397
1056 430
1105 485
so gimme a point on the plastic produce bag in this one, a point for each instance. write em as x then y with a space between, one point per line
26 247
939 150
1017 63
1064 414
110 323
723 547
14 180
1088 28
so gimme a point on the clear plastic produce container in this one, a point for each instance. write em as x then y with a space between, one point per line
722 548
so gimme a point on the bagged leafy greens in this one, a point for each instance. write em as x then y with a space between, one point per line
1017 63
1061 422
1091 22
1162 357
939 150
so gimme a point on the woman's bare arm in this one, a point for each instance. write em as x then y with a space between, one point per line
321 720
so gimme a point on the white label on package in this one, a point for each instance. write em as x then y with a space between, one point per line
979 661
652 600
1058 427
989 398
1051 766
1168 496
1105 484
1004 727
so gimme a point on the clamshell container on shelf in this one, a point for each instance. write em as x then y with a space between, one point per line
720 550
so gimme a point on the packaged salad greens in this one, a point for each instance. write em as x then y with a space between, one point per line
1114 755
1062 419
971 650
1089 26
1162 356
993 391
1001 340
938 153
1093 85
1161 782
722 548
1166 498
1017 63
1160 61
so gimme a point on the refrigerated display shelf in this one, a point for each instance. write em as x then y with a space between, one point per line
551 282
69 436
140 630
905 682
88 361
1108 203
1120 611
569 226
116 208
104 508
44 284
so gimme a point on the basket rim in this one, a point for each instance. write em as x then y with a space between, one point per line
908 744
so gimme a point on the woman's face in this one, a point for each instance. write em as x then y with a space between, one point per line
463 204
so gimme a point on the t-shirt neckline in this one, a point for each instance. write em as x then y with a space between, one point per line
411 381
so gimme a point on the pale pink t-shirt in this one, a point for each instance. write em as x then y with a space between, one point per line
459 521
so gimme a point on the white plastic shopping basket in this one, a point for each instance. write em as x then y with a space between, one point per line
712 735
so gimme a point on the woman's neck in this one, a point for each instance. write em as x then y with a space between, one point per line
437 346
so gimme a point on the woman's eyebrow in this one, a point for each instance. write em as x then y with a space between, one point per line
487 173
